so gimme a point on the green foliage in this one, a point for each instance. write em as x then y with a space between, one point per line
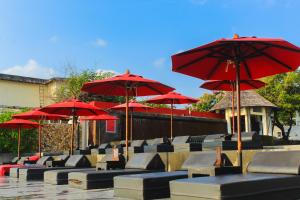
284 91
206 102
9 137
74 83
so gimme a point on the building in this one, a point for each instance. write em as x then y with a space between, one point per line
256 112
21 91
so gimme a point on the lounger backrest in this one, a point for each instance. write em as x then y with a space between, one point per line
138 143
149 161
279 162
110 157
104 146
202 159
43 160
121 144
197 139
181 139
78 161
15 160
214 137
22 159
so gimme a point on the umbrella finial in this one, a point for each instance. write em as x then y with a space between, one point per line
236 36
127 71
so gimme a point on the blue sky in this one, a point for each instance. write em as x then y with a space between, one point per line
40 38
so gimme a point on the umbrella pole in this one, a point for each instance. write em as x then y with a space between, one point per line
232 110
94 132
131 126
126 127
72 135
172 121
19 141
238 93
40 139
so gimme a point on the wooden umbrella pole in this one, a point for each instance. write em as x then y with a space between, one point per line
19 140
238 93
172 120
72 135
94 132
232 110
126 126
40 139
131 123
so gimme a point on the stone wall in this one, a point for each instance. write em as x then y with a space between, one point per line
56 137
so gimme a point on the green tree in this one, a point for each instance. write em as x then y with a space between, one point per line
284 91
9 137
74 83
206 102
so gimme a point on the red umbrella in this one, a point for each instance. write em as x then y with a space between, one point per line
133 106
19 124
229 85
73 108
36 114
172 98
126 85
236 59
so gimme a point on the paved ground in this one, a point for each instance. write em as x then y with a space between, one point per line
12 188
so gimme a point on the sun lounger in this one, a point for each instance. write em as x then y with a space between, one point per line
139 163
58 161
119 146
101 149
110 162
187 143
75 161
158 145
12 162
14 171
137 146
271 175
156 185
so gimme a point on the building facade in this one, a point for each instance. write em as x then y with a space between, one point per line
20 91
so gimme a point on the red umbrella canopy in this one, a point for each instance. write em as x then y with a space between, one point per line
227 85
133 106
172 98
39 115
100 117
257 57
136 86
19 123
73 107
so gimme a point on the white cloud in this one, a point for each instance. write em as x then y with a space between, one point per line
30 69
53 39
160 62
198 2
100 42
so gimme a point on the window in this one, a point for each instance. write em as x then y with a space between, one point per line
257 109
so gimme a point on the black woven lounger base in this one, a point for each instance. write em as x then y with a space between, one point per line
99 179
60 177
146 186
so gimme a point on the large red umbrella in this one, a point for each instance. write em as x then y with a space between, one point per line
73 108
36 114
237 59
126 85
229 85
172 98
19 124
133 106
99 118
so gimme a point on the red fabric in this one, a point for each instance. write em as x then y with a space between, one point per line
33 158
19 123
38 115
213 61
4 169
100 117
226 85
172 98
116 86
111 126
133 107
73 107
103 105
